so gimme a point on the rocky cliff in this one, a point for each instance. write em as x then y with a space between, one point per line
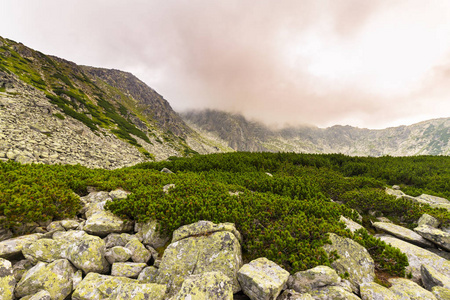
426 138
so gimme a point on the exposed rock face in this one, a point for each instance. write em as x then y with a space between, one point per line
432 278
406 289
439 237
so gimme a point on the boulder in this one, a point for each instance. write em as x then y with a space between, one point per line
432 278
41 295
5 234
374 291
77 278
167 187
55 278
354 259
96 197
262 279
433 199
333 293
88 254
441 293
66 239
403 233
209 285
138 291
439 237
165 170
7 280
148 274
118 194
150 234
70 224
426 219
417 257
13 247
55 226
45 250
218 251
127 269
394 192
293 295
306 281
407 289
350 224
203 228
96 286
139 253
20 268
118 254
116 239
103 223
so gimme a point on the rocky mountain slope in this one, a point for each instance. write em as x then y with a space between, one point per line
426 138
52 110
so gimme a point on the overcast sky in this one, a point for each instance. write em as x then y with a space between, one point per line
365 63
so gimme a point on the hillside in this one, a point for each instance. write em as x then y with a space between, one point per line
425 138
53 111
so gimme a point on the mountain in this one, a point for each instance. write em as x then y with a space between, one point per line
425 138
53 110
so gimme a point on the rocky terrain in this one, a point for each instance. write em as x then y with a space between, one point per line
100 256
425 138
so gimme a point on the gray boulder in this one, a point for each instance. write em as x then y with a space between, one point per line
96 286
354 259
41 295
45 250
439 237
403 233
127 269
118 254
104 222
333 293
432 278
374 291
148 275
262 279
350 224
150 234
7 280
417 257
55 278
13 247
88 254
117 239
293 295
426 219
306 281
407 289
209 285
139 253
118 194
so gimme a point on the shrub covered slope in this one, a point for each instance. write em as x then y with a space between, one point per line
284 217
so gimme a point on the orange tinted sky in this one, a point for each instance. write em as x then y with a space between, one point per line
363 63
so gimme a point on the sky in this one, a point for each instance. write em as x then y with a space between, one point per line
365 63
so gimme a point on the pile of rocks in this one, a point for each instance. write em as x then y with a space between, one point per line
100 256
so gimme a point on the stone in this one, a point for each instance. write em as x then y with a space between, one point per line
55 226
5 234
55 278
20 268
41 295
97 197
167 187
148 275
70 224
165 170
350 224
417 257
7 280
395 192
127 269
403 233
432 278
209 285
13 247
137 291
354 259
150 234
103 223
374 291
293 295
439 237
219 251
333 293
407 289
426 219
88 254
441 293
45 250
396 187
77 278
118 194
203 228
433 199
139 253
306 281
118 254
97 286
116 239
262 279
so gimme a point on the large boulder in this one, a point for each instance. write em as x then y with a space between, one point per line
41 295
127 269
209 285
55 278
135 291
7 280
374 291
439 237
407 289
139 253
45 250
95 286
333 293
403 233
417 257
88 254
104 222
13 247
217 251
262 279
350 224
432 278
150 234
293 295
117 239
426 219
354 259
148 275
118 254
306 281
